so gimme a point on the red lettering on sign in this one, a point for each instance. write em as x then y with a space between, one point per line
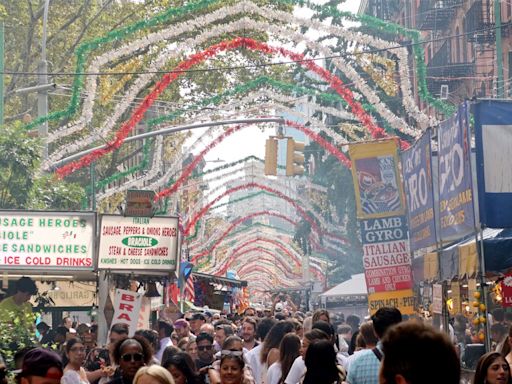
128 307
126 297
124 316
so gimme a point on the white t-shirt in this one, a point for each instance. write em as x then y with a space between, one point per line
274 373
253 359
296 371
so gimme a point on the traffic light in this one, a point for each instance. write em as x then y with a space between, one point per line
294 158
271 157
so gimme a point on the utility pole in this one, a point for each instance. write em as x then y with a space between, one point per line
2 45
500 86
42 79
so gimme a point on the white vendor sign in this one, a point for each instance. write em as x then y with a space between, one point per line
47 241
138 243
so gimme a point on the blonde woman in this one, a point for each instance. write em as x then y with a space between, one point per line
153 374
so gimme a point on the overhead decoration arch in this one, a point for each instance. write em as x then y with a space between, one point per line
191 34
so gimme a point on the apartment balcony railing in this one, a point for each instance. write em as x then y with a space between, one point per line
436 14
443 70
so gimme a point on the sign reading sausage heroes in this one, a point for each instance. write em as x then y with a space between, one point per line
138 243
47 241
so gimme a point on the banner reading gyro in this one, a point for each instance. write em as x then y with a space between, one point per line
47 241
138 243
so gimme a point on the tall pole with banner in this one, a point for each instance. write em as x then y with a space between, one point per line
381 214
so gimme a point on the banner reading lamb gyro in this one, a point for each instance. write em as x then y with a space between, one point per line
57 241
419 192
384 233
138 243
456 213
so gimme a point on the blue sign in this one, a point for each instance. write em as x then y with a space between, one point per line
493 138
456 213
419 191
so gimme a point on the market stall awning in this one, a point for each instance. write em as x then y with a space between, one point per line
220 280
462 259
352 289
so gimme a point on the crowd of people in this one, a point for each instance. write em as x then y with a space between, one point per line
275 346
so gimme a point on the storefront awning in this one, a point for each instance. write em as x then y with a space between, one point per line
462 259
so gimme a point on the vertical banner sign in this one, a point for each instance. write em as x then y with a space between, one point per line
384 233
493 139
419 193
456 211
127 308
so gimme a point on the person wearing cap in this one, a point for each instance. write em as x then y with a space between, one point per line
196 320
182 329
18 306
41 366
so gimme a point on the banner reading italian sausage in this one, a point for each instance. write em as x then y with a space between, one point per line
456 213
419 192
384 232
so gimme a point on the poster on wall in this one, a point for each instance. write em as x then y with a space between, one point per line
456 212
47 241
127 305
419 192
138 243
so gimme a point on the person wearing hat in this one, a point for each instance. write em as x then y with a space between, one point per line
196 320
18 306
41 366
182 329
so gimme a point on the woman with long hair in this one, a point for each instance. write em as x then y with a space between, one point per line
270 350
74 372
289 350
492 368
321 364
182 368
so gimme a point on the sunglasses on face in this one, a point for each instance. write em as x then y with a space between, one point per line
132 357
228 352
204 347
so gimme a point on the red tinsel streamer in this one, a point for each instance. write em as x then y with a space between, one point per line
356 108
205 209
235 254
234 225
264 271
261 250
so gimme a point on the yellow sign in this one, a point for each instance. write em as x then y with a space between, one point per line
455 286
377 183
403 300
69 294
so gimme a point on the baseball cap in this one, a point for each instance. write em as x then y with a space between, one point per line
198 316
38 361
180 323
279 307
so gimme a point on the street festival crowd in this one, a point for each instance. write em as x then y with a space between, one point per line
280 344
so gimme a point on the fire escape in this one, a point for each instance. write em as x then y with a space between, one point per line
449 62
436 14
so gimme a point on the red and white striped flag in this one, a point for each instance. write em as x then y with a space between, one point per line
190 294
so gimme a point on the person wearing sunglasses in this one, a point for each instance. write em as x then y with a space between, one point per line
130 354
233 345
205 353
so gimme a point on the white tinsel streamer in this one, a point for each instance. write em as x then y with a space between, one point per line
126 49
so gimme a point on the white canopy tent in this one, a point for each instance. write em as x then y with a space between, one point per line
348 297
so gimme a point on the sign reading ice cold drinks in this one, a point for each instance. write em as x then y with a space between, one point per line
138 243
58 241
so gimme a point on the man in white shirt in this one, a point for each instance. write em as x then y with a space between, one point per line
165 330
